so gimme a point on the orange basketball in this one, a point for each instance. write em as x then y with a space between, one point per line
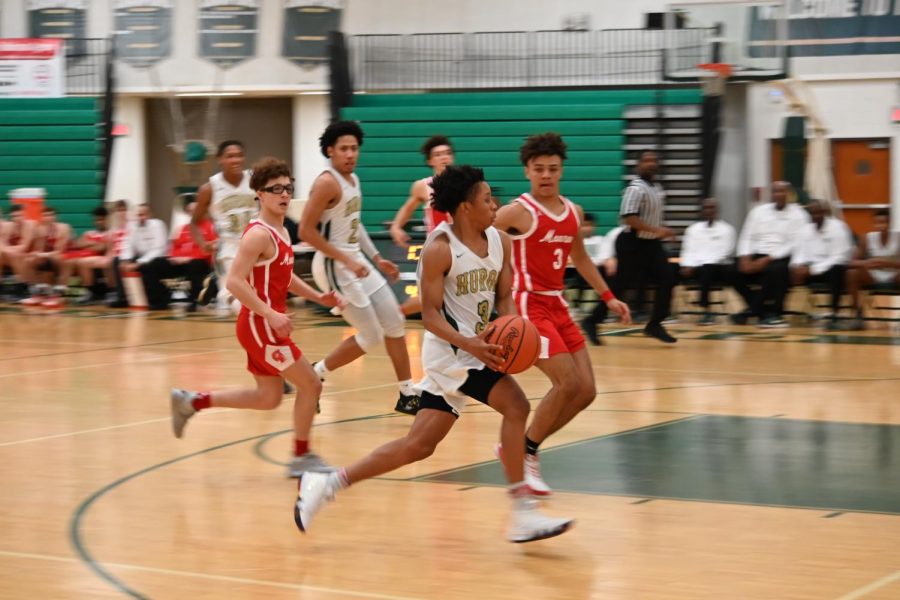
520 341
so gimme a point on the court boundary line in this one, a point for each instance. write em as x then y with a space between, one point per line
871 587
209 576
110 364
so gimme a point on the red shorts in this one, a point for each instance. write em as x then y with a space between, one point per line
267 355
550 314
79 253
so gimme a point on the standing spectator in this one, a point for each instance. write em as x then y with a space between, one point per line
764 250
186 259
639 247
876 263
706 252
822 255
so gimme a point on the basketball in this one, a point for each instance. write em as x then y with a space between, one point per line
520 341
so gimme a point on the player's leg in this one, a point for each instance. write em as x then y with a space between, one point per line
368 335
394 326
857 279
309 388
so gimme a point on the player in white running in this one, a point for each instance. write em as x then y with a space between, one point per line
332 224
463 274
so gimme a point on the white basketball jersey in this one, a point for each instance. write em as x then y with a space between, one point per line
340 223
232 207
876 250
470 284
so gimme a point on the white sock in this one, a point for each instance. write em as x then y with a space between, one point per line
320 369
406 387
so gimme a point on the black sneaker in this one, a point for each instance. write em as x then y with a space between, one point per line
408 405
707 319
740 318
656 330
589 327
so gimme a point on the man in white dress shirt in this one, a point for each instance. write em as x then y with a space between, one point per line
145 239
822 255
706 254
764 249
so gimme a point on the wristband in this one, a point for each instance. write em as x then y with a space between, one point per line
607 296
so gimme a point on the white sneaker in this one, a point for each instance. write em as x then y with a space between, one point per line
182 409
533 476
529 524
308 462
315 490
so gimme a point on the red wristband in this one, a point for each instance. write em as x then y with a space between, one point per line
607 296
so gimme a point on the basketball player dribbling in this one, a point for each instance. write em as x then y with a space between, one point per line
438 154
457 360
332 224
229 201
260 277
545 229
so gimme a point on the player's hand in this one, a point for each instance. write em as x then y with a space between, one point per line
391 270
359 269
400 237
280 323
621 309
489 354
210 247
332 299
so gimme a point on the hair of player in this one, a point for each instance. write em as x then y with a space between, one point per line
337 129
454 186
265 170
15 209
883 212
100 211
432 143
224 145
544 144
589 218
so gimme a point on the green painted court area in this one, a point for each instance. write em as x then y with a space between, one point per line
762 461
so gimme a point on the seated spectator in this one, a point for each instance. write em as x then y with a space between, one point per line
186 259
592 244
764 251
86 254
16 239
604 256
821 256
706 254
43 265
117 233
876 263
146 238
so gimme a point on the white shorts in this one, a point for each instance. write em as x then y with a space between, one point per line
331 275
882 276
445 371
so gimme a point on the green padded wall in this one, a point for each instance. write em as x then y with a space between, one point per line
53 143
487 129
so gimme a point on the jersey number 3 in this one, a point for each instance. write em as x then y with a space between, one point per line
484 311
558 259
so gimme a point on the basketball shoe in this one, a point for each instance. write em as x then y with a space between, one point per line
182 410
533 478
529 524
314 491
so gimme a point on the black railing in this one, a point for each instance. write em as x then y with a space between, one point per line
521 58
109 96
87 60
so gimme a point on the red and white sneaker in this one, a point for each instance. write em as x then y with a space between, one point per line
533 478
32 301
53 303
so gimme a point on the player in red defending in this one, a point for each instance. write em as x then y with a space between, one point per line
260 278
545 229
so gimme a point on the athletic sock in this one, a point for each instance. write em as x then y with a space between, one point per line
531 447
342 478
518 490
301 447
320 369
406 387
201 400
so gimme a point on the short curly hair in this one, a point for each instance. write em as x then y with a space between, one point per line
454 186
337 129
544 144
265 170
432 143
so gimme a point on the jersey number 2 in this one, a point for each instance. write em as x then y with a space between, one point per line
354 231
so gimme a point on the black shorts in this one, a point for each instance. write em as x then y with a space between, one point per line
45 265
478 385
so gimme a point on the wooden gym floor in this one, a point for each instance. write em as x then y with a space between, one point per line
738 464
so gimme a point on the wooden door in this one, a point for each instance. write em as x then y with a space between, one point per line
863 179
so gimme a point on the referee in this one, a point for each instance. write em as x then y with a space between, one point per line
639 248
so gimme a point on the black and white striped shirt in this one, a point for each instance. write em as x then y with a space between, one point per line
647 201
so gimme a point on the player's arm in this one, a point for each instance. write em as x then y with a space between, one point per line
62 240
585 267
366 244
503 300
513 219
255 245
325 189
300 288
28 235
417 196
436 263
201 212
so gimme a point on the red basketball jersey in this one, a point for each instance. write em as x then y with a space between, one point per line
433 216
117 237
271 278
540 255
